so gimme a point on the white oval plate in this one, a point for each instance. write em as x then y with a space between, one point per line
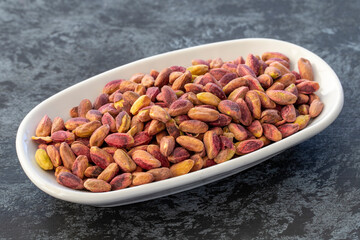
330 92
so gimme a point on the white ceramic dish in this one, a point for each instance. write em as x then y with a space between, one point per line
330 92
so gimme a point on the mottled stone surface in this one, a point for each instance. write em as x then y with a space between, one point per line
312 191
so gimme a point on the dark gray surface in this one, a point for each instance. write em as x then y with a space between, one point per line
311 191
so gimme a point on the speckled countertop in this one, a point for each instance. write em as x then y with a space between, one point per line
311 191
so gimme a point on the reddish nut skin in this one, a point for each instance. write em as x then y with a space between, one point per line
152 92
132 150
159 113
168 95
316 108
124 161
193 126
80 148
119 140
172 128
121 181
199 62
303 109
154 73
287 79
85 130
248 146
112 86
181 81
238 93
224 80
155 151
234 84
212 144
54 155
255 128
145 160
307 87
203 114
73 123
70 180
276 86
100 157
109 120
142 138
98 136
109 172
222 121
293 89
198 162
102 99
271 132
305 69
265 80
163 77
271 116
254 103
218 73
160 173
43 129
281 97
93 171
253 63
63 136
208 162
167 145
232 67
140 178
205 79
254 83
176 68
97 185
216 63
268 55
182 167
179 154
238 131
84 106
312 97
216 90
266 102
288 113
59 170
93 115
181 118
73 112
57 125
246 116
194 87
108 108
231 109
282 61
283 70
80 165
303 121
190 143
67 155
302 99
180 107
174 75
288 129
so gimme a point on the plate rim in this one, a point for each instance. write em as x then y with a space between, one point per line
112 199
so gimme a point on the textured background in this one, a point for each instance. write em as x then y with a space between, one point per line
312 191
